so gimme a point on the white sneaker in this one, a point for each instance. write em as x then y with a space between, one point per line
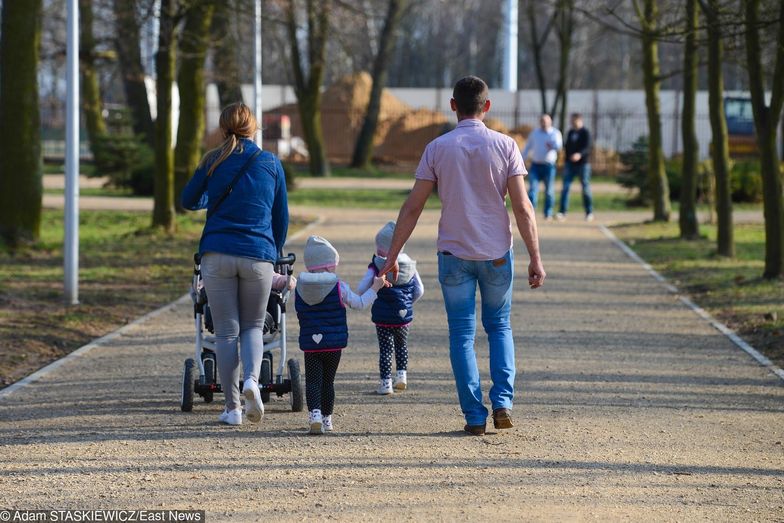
548 218
560 217
400 383
316 422
231 417
327 423
589 217
254 408
385 387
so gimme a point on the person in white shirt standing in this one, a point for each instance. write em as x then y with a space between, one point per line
543 143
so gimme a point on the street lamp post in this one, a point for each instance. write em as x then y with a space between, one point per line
510 47
71 243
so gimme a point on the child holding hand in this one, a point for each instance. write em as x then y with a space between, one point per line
393 312
321 300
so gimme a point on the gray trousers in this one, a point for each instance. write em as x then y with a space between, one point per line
238 290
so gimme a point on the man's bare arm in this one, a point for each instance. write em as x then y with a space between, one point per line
406 221
526 223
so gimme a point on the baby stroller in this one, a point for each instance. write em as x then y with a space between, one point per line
200 374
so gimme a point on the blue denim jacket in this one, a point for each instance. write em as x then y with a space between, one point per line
253 220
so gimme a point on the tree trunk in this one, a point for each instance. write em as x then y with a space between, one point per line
652 81
130 60
536 50
92 106
363 151
766 118
194 41
565 18
308 87
227 69
163 204
20 133
720 144
687 219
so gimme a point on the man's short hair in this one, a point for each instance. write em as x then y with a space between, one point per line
470 94
577 116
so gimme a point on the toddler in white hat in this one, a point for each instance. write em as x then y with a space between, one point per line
393 312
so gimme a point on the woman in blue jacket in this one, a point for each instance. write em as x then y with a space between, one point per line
244 191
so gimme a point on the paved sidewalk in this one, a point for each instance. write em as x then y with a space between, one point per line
629 407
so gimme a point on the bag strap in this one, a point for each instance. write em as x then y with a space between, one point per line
234 180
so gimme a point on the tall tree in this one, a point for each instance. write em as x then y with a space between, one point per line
92 106
648 17
225 54
766 118
307 84
194 40
720 155
20 135
687 218
127 38
163 194
564 32
538 42
363 151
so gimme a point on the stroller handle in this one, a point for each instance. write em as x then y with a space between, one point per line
286 260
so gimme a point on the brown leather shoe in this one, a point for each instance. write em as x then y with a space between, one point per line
475 430
502 419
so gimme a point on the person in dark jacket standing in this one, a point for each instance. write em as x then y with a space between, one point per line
244 191
578 155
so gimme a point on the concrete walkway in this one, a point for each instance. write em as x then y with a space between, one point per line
629 407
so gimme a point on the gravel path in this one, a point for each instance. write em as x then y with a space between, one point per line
629 407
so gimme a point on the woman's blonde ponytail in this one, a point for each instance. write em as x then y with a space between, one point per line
236 121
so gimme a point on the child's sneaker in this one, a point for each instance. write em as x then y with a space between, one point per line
316 422
400 383
385 387
231 417
327 423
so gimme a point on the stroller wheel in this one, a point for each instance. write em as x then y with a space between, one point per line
295 396
265 376
189 378
209 374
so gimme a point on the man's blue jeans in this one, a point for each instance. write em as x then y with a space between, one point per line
459 279
542 172
582 171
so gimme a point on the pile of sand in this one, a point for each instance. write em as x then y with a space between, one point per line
402 132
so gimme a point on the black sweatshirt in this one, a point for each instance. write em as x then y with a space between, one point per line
578 141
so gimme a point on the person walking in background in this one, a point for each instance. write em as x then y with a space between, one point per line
244 191
577 164
475 168
543 143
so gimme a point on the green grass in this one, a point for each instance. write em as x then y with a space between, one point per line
85 169
100 191
731 289
126 269
341 171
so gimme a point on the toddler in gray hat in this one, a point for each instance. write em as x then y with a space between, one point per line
393 312
321 299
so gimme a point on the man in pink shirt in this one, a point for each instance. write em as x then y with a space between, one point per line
474 169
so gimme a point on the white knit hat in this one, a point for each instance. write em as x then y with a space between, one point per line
320 254
384 238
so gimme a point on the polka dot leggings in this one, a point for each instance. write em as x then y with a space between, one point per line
392 339
320 370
